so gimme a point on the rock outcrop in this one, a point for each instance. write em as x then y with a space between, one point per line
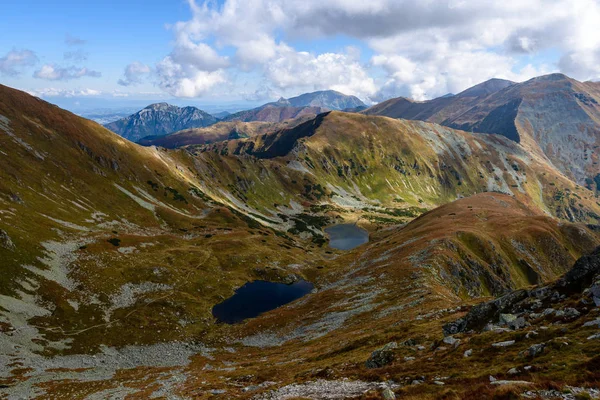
511 307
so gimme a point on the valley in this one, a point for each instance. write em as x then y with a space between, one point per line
117 259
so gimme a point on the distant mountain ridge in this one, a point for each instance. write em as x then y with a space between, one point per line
553 116
299 106
160 119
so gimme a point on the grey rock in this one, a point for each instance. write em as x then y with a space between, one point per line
513 371
517 323
531 334
503 344
439 383
548 311
593 337
383 356
503 382
388 394
505 319
409 358
593 323
5 241
536 350
468 353
452 341
571 313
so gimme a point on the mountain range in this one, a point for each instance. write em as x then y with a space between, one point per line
308 104
479 279
553 116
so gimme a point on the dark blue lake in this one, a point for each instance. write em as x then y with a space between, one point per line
346 236
255 298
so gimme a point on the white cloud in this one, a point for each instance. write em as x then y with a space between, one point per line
54 92
15 60
181 80
52 72
341 72
421 49
134 74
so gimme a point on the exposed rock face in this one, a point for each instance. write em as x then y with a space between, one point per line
160 119
5 240
581 276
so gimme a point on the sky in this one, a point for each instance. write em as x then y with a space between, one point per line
236 52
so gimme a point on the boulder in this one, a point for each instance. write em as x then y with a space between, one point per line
468 353
506 319
536 350
387 394
5 241
571 313
382 357
583 272
594 337
518 323
503 344
452 341
594 323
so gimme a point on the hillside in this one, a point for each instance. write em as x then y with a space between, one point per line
553 116
160 119
387 168
305 105
114 254
218 132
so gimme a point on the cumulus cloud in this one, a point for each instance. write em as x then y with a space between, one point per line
186 80
134 74
52 72
13 62
341 72
420 49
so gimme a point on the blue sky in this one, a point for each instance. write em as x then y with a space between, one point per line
232 53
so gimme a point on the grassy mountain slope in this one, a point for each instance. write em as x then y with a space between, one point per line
380 168
553 116
113 254
218 132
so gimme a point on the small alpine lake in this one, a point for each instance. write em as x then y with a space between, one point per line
346 236
257 297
